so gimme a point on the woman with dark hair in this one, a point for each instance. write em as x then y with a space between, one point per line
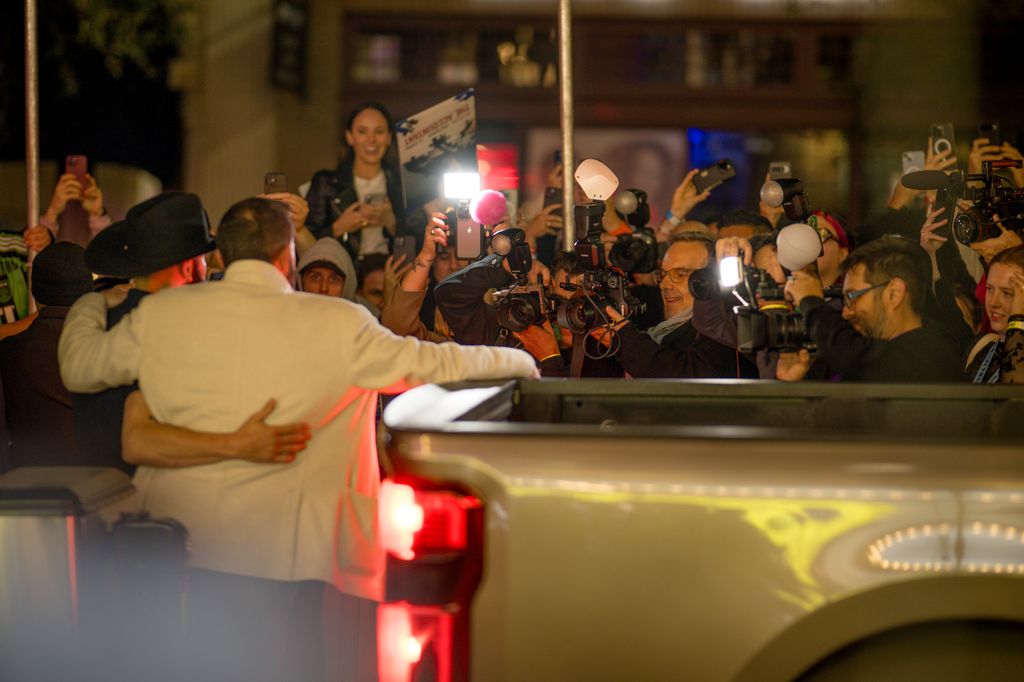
360 202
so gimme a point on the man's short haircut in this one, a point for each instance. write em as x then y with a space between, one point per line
742 216
1012 256
566 261
254 229
890 256
759 241
702 238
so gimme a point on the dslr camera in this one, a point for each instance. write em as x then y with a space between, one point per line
636 252
602 285
525 303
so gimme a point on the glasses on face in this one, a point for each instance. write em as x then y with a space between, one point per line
675 275
826 235
849 297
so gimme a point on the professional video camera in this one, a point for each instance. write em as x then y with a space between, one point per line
602 285
525 303
994 196
638 251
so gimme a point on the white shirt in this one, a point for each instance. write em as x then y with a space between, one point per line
209 355
372 239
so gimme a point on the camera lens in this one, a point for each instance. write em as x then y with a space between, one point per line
786 331
966 228
577 315
517 314
703 284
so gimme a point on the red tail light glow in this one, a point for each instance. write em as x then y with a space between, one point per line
415 522
409 635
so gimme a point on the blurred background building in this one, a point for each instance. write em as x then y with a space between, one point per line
208 95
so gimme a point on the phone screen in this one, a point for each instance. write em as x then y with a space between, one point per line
274 183
78 165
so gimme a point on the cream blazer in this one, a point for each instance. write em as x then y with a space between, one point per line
209 355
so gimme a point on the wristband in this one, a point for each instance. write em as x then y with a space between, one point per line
672 218
556 355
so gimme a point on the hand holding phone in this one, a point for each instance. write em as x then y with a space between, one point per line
713 176
275 183
990 131
942 138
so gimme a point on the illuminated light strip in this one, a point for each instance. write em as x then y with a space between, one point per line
876 550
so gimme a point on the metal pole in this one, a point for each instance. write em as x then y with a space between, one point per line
31 129
31 114
566 113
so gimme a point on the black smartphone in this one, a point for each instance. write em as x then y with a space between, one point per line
405 246
275 183
942 138
552 195
990 129
714 175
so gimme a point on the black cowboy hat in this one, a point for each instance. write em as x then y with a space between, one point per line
156 234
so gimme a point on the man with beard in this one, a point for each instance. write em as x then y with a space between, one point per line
880 334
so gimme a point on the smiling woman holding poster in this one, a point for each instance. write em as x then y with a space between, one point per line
360 202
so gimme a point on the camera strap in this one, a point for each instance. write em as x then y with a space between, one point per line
578 353
979 378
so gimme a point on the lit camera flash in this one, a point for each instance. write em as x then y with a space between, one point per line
730 271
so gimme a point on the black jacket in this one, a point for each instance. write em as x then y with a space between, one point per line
332 191
684 353
37 404
925 354
460 297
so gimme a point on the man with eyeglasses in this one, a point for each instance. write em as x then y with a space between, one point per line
881 334
674 348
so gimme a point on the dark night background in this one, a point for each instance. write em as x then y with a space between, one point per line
132 118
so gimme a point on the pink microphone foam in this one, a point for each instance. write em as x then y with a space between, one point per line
488 207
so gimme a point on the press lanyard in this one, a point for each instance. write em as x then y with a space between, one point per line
979 378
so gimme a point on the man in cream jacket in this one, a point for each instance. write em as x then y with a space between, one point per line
209 355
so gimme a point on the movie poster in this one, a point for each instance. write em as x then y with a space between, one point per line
436 141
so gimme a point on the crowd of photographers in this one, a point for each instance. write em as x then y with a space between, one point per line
929 290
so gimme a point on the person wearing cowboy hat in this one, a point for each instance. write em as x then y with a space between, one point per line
160 244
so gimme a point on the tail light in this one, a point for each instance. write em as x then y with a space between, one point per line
433 537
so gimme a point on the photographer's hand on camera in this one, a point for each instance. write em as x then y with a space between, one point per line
803 284
1007 239
540 342
732 247
793 366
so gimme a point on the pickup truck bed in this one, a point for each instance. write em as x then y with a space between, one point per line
718 530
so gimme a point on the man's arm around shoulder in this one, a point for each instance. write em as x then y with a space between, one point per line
91 357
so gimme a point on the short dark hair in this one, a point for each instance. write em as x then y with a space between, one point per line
706 240
371 262
891 256
255 229
742 216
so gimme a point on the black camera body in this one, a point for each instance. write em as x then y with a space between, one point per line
638 251
772 324
598 290
524 305
589 248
